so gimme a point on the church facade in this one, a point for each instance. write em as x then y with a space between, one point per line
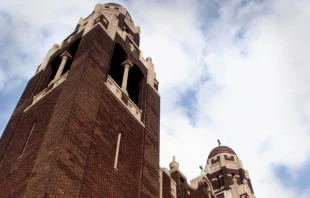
88 124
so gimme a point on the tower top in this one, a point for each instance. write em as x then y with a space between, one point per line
115 5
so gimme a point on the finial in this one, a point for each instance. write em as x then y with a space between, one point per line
56 45
174 164
219 142
149 59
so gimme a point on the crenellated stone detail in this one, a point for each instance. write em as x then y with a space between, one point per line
107 18
231 162
111 13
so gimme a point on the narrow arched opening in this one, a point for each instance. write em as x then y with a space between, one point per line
135 85
72 51
116 69
55 63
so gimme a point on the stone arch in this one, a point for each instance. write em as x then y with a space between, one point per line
207 186
203 185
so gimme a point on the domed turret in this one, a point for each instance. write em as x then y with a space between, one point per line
225 171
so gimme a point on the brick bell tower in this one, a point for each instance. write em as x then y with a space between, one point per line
87 124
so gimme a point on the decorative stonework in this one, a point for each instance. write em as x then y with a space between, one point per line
215 168
223 160
232 165
107 18
47 90
238 191
117 92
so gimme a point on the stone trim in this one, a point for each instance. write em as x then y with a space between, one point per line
117 150
223 160
160 183
130 106
103 20
33 126
47 90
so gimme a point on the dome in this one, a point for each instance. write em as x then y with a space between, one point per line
113 4
221 149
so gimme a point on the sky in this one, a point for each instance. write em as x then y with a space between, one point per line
232 70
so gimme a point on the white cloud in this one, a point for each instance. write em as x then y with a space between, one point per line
255 57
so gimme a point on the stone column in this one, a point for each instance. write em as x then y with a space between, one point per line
127 65
64 56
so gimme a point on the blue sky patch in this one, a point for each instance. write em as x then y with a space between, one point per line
299 179
188 101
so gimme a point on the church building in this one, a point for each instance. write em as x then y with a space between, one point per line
88 125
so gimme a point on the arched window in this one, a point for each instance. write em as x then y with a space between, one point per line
135 81
116 69
55 63
135 85
72 51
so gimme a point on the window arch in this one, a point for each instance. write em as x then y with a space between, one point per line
135 85
72 51
135 80
116 70
55 63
